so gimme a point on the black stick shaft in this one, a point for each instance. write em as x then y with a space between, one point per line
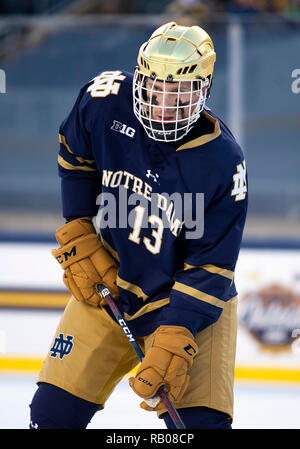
105 293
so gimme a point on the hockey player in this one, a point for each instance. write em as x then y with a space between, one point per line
154 195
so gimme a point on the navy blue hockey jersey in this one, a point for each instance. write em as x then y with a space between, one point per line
171 214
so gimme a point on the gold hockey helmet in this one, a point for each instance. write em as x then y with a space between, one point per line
180 55
178 52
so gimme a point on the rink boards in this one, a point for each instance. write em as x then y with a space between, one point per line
32 298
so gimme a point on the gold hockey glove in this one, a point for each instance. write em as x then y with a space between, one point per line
85 261
166 362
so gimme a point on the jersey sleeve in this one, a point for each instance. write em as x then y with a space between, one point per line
206 282
76 163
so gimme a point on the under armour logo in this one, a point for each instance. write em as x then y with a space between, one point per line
155 176
62 346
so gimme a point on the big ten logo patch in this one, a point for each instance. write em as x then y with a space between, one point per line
123 129
62 346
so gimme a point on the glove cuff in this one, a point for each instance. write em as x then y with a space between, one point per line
170 329
74 229
76 250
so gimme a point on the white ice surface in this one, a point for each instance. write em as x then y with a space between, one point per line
257 406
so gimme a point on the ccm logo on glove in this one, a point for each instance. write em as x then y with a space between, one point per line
66 255
145 381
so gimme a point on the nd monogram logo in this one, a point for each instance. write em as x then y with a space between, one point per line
62 346
240 186
106 84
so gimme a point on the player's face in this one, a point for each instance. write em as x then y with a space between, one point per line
168 110
171 101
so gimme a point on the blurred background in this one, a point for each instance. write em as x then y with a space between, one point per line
48 50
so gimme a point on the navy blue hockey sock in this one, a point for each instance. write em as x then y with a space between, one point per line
200 418
54 408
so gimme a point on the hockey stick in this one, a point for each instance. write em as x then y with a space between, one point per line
105 293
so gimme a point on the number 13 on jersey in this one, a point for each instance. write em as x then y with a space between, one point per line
154 244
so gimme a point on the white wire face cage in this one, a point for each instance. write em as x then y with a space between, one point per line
168 110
